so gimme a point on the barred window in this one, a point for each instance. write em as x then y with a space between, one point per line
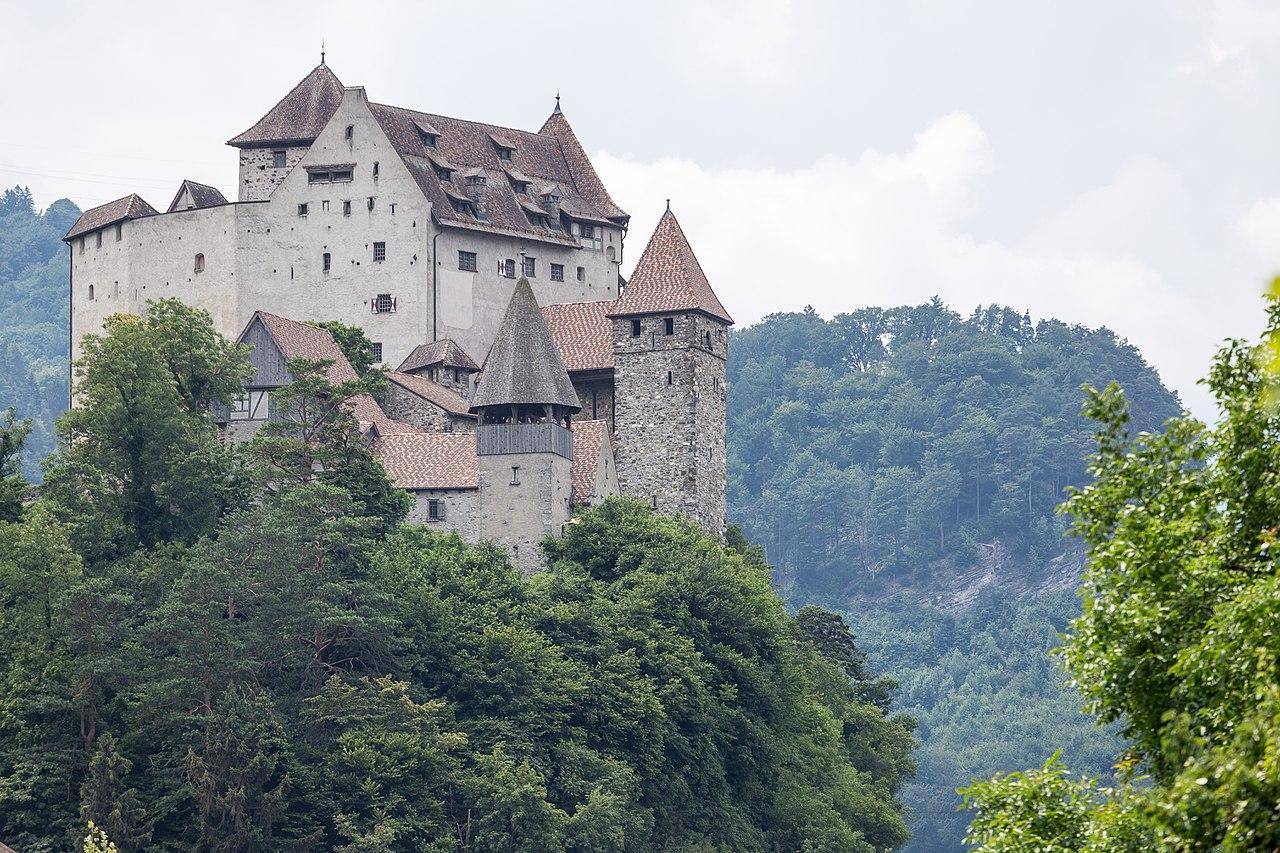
435 510
508 268
377 352
302 209
530 267
328 259
383 304
557 272
379 251
467 261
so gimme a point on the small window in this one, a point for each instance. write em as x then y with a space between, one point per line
119 231
277 159
444 174
199 262
530 267
507 268
467 261
557 272
377 352
370 205
505 154
635 328
82 245
587 231
328 261
435 510
324 205
375 170
379 252
582 273
669 326
477 180
383 303
706 337
346 208
98 245
515 475
669 377
351 132
302 209
428 139
91 293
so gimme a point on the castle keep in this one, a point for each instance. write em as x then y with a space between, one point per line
483 262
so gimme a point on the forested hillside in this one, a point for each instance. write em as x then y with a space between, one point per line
33 316
904 466
241 647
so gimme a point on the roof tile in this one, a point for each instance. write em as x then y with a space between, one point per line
130 207
583 333
432 392
432 460
668 277
300 115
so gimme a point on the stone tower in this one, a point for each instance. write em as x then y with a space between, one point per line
670 344
524 401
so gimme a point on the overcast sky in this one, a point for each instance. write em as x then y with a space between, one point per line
1105 163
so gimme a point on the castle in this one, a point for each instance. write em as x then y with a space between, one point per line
483 262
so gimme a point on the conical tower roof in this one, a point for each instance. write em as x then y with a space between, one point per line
584 174
668 278
524 365
300 115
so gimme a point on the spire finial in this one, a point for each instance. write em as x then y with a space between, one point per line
322 51
668 205
557 109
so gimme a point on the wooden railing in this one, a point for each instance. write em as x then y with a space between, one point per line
493 439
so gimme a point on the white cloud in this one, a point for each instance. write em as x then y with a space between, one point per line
894 228
747 40
1239 41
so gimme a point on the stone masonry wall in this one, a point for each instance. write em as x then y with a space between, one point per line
258 175
459 514
409 408
670 421
520 516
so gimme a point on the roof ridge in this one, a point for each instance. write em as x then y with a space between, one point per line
234 140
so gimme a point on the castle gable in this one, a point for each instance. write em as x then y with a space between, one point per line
192 195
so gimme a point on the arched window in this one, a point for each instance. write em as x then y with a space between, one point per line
91 293
199 262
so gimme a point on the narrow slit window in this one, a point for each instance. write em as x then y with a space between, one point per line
199 265
635 328
328 261
669 326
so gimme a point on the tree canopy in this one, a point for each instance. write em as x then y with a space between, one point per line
297 669
1177 640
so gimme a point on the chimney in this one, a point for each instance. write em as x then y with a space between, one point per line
475 183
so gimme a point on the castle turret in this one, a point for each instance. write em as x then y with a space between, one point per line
670 343
524 402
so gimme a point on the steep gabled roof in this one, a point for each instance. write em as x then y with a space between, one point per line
432 392
130 207
583 333
202 195
524 365
588 183
300 115
668 278
300 340
443 352
432 460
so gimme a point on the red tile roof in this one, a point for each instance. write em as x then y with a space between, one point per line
299 340
129 207
432 392
435 460
583 333
668 277
588 439
586 180
300 115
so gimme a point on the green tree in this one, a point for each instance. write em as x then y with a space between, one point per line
1176 641
142 462
353 342
13 434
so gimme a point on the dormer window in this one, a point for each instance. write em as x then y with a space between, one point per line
506 154
428 134
477 180
520 186
551 197
444 174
